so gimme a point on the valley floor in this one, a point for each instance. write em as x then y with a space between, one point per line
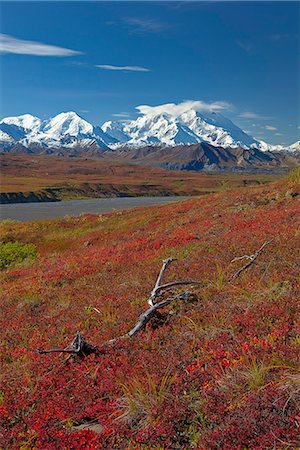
217 371
27 178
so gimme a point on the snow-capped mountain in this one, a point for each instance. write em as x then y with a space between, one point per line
294 147
166 125
21 126
25 122
6 140
67 129
158 129
189 127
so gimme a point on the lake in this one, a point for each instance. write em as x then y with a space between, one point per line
25 212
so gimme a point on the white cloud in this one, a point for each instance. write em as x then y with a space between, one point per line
122 114
9 44
122 68
252 115
278 134
270 128
179 108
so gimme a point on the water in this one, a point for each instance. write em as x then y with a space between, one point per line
25 212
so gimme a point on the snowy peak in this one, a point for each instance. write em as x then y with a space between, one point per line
164 125
159 128
67 129
295 147
216 129
151 129
187 127
18 127
26 121
68 123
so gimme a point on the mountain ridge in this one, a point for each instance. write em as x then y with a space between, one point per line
69 130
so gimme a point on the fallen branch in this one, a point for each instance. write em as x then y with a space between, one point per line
251 259
147 315
80 348
154 292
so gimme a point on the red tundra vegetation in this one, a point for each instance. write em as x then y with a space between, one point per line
219 370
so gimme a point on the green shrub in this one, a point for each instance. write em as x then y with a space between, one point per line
13 253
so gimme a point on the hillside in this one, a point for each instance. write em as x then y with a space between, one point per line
51 178
219 370
206 157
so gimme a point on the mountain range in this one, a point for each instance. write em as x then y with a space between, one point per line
68 130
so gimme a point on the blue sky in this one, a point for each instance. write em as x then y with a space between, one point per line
102 59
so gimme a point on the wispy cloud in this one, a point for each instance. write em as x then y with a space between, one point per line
122 114
252 115
179 108
145 25
278 134
270 128
10 44
122 68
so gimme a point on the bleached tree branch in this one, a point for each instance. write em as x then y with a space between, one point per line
251 259
147 315
166 264
78 347
81 348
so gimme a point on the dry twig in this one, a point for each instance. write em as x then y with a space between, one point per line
251 259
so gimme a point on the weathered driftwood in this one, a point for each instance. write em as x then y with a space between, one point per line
154 292
79 347
160 287
251 259
147 315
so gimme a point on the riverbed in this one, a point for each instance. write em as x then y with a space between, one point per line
25 212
